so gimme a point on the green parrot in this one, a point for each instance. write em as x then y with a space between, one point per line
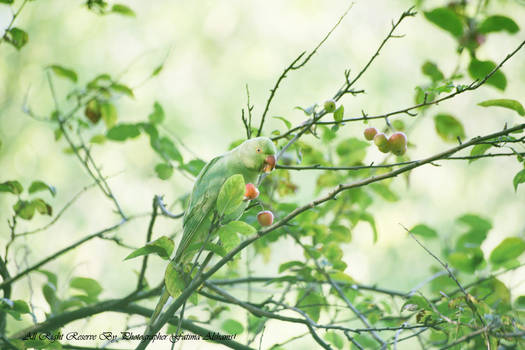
250 159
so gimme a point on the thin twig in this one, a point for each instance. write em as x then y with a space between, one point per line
472 86
468 297
295 66
149 233
378 166
61 252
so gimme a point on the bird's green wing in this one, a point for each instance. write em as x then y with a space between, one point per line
200 208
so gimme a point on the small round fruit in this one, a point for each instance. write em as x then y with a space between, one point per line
398 143
251 192
382 142
329 106
370 133
265 218
92 111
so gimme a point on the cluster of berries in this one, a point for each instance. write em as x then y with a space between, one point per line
265 217
396 143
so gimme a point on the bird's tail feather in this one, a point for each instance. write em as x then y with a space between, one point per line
160 305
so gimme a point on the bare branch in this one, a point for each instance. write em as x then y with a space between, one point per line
295 65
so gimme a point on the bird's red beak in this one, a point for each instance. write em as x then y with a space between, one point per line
269 164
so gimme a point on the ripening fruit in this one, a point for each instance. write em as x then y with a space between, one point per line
370 133
265 218
398 143
92 111
382 142
329 106
251 192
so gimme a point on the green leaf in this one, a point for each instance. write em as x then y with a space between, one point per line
24 209
229 238
123 10
41 186
519 178
467 260
423 231
239 227
352 151
334 339
498 23
448 127
42 207
285 121
231 195
122 132
431 70
157 70
173 280
123 89
340 233
370 219
109 114
308 111
310 302
494 293
477 232
209 246
446 19
16 37
289 264
479 150
475 223
505 103
51 277
157 116
164 171
49 292
64 72
480 69
520 302
416 302
98 139
88 285
339 113
6 1
21 307
194 166
13 187
231 326
162 246
166 149
14 307
509 249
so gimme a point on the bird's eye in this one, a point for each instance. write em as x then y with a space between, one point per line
258 150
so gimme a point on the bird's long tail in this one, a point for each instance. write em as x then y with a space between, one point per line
160 305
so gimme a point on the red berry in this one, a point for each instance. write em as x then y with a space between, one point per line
398 143
370 133
251 192
265 218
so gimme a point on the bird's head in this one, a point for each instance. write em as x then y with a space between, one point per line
258 154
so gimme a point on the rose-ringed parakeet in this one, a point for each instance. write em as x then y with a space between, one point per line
249 159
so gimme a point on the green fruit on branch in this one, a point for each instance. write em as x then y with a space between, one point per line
381 142
251 191
398 143
265 218
370 133
329 106
92 111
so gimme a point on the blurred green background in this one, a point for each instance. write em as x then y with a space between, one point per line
213 50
